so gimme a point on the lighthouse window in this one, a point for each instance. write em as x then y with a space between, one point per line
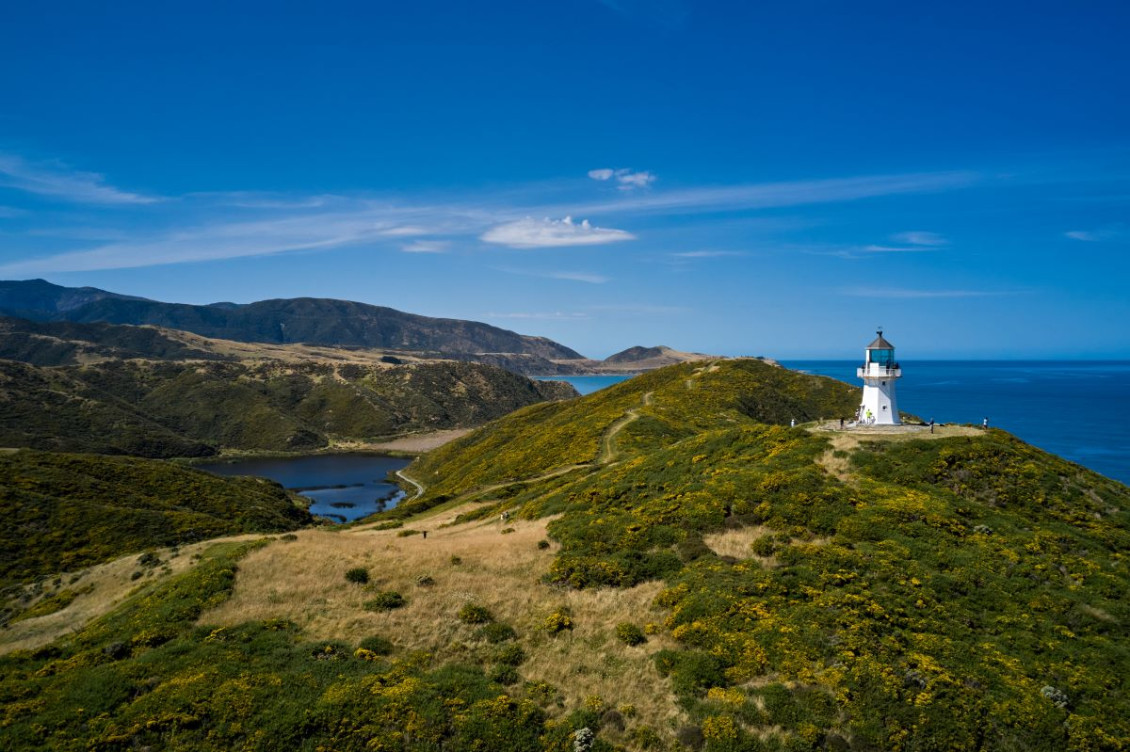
884 383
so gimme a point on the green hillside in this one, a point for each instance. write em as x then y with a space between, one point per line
712 579
63 512
153 409
961 593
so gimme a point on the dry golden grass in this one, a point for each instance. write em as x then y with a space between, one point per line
304 581
737 543
111 585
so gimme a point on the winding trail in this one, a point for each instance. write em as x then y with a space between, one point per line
608 453
419 486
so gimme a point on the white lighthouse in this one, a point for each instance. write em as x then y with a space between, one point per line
879 372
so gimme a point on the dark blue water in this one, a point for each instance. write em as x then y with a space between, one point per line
342 487
589 384
1079 410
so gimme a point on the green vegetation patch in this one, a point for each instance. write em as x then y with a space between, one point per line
64 512
146 677
959 593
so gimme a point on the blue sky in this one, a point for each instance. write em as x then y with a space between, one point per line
770 178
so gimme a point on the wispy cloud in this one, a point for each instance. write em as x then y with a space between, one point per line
903 293
426 246
1096 236
921 238
11 212
705 254
55 180
638 309
592 279
625 178
790 193
217 242
895 249
552 233
548 315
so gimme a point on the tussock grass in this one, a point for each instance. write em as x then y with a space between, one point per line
110 585
303 582
736 543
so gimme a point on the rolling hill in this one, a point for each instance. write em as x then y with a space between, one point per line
299 320
155 409
662 565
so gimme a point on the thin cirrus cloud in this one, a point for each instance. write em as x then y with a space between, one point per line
552 233
625 179
218 242
920 238
705 254
55 181
1095 236
426 246
903 293
539 315
202 227
587 277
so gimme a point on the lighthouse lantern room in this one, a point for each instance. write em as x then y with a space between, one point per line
879 372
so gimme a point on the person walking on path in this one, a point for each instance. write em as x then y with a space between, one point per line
931 425
985 424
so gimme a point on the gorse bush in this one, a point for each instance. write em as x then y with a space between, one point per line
472 613
560 620
496 633
630 634
376 645
357 575
385 601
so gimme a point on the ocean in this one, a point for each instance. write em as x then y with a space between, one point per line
1079 410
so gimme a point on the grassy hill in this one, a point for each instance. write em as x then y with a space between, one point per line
298 320
679 570
196 409
66 343
64 512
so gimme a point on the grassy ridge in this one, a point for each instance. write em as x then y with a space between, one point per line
963 593
196 409
685 399
64 512
145 676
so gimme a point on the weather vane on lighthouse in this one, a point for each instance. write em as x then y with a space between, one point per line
879 372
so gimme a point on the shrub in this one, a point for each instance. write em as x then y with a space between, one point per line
507 530
357 575
472 613
386 601
763 546
504 675
456 561
390 525
511 655
425 580
496 633
407 532
630 634
543 544
376 645
558 621
289 537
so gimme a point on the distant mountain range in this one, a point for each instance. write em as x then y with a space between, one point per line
50 325
320 321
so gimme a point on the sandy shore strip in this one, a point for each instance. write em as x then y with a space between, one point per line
423 442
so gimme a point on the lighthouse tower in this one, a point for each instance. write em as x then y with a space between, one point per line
879 372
